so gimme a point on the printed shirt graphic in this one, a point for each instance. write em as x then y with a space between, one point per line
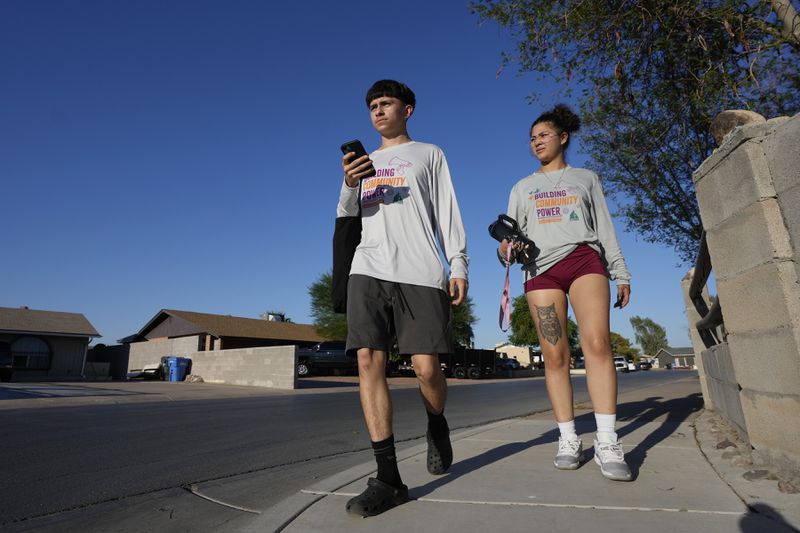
388 186
558 217
556 204
408 213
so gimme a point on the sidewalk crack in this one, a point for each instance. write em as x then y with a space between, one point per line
194 490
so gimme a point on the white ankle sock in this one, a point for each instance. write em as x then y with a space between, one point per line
567 430
605 427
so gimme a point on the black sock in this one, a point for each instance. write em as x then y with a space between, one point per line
437 425
387 461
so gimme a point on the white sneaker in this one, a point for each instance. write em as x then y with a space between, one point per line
611 458
570 454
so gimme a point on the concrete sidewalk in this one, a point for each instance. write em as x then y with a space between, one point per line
503 479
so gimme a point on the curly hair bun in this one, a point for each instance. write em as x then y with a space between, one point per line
561 117
565 118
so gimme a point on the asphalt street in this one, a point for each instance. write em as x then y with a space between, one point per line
125 440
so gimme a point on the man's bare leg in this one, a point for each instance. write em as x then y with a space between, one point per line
374 392
432 383
433 388
386 489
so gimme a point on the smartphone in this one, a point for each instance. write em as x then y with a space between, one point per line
358 148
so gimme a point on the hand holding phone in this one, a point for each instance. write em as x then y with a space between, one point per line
360 171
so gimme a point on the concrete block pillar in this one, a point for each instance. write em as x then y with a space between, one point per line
748 192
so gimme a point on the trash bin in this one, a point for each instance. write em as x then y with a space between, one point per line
184 363
171 369
164 368
177 367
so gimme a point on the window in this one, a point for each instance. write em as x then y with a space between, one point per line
30 353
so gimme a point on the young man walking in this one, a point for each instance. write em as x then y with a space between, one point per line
397 284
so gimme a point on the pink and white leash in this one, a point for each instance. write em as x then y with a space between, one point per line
505 300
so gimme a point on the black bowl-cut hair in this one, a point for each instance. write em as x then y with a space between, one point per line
391 88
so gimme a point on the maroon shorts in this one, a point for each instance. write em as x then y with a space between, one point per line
581 261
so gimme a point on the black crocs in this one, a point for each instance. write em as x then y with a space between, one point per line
440 454
377 498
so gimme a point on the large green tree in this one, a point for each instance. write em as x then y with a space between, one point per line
622 346
649 335
327 322
463 319
651 76
523 331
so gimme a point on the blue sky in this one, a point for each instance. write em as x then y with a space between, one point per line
185 155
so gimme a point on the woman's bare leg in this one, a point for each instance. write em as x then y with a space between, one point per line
548 309
589 296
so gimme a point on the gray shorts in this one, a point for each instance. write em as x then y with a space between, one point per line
378 310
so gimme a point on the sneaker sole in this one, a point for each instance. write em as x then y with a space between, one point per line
609 475
570 467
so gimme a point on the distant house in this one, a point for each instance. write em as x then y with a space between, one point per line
46 345
675 357
526 355
173 332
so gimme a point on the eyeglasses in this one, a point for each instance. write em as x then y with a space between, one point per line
544 136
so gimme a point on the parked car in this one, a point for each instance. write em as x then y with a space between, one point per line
327 356
621 364
632 366
502 363
645 365
6 362
405 367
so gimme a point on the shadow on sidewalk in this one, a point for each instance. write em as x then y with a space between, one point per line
762 517
486 458
677 410
638 413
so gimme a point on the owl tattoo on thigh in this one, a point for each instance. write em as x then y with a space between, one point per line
549 325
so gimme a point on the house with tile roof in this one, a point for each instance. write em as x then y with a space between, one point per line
46 345
173 332
675 357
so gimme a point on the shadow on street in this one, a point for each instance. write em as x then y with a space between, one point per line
21 391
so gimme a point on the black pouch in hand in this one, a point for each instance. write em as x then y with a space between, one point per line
506 228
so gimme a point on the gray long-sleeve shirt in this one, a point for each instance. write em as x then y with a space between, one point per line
407 209
559 211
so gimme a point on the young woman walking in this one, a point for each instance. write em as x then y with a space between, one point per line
562 209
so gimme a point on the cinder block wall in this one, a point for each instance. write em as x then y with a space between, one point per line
150 352
720 379
271 366
748 192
